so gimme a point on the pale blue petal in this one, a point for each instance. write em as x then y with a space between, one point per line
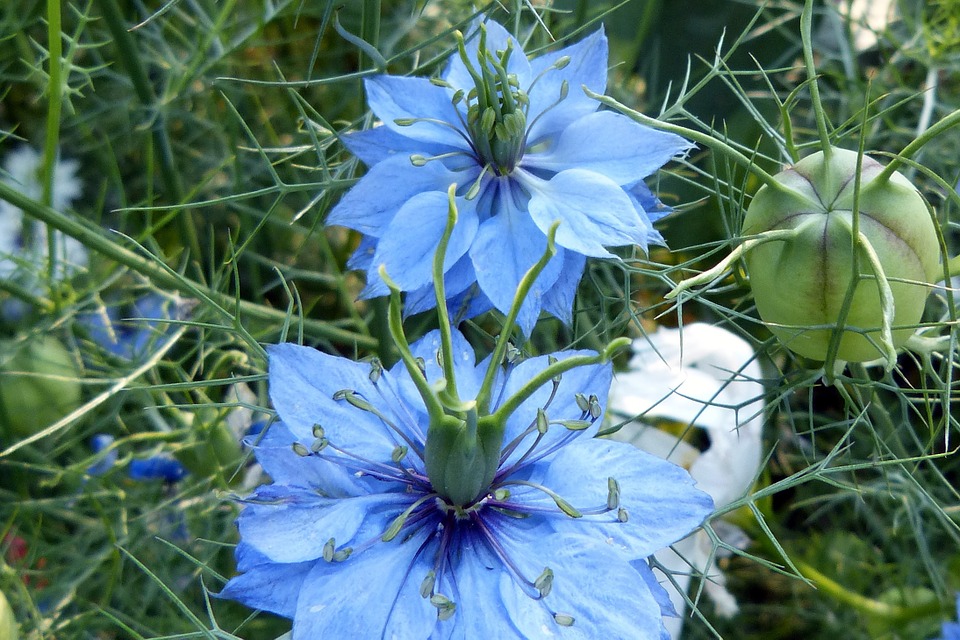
558 300
394 98
656 589
268 586
469 374
646 201
456 280
612 145
274 452
296 524
505 248
476 593
377 144
588 67
594 212
604 594
587 380
303 382
409 243
372 594
373 203
362 258
663 504
497 37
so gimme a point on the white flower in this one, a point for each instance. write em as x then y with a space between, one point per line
23 241
707 377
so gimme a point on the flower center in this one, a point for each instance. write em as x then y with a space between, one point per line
496 107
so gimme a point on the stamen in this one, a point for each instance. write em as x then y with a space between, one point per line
562 504
484 527
613 493
544 583
358 401
398 523
563 619
445 606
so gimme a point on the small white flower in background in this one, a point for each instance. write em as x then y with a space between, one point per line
707 377
23 240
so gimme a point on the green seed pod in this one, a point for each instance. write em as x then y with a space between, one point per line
802 281
39 385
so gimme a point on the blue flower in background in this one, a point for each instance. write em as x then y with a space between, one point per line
951 630
127 331
98 443
526 147
359 537
158 467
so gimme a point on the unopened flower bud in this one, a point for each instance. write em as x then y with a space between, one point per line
802 281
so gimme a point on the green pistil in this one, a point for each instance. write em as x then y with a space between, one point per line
496 118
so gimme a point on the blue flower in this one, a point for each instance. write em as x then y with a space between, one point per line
526 147
367 531
951 630
128 331
158 467
98 443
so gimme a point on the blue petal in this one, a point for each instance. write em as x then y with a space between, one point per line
612 145
656 589
157 468
98 443
594 212
497 38
456 280
604 594
303 382
377 144
268 586
476 594
646 202
394 98
274 452
362 258
558 300
409 243
371 205
296 524
588 380
588 67
505 248
469 375
371 594
663 504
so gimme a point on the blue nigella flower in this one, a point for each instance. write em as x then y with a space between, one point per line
158 467
98 443
526 147
446 499
128 331
951 630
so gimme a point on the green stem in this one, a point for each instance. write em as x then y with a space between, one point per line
863 604
486 389
933 132
52 142
561 366
130 61
443 317
806 21
434 407
701 138
164 277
